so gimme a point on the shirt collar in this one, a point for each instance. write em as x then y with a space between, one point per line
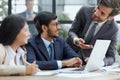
29 12
12 53
100 23
46 42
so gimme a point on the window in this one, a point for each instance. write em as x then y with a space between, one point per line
65 9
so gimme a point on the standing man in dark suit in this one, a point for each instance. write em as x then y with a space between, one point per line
106 29
59 55
29 14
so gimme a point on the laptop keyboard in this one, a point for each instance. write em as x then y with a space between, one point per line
75 71
80 69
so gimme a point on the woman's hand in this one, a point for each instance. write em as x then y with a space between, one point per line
31 68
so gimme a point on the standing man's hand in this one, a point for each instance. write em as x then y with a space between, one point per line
81 43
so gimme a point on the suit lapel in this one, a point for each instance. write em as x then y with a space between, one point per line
88 22
6 56
42 48
102 30
57 49
24 58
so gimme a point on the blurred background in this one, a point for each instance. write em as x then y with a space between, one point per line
64 9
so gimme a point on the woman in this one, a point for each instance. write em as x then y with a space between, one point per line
14 34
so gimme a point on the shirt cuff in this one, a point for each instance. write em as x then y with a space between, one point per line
59 63
74 40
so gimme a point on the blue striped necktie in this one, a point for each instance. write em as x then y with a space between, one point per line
51 51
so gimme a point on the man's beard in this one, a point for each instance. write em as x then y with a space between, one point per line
50 34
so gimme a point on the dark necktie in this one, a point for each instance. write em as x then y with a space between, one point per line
91 33
51 51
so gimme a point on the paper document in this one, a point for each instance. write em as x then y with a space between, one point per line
46 73
79 75
114 70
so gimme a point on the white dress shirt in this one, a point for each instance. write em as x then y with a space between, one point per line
15 57
47 43
96 30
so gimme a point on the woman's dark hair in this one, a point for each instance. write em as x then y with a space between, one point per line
115 4
10 27
43 18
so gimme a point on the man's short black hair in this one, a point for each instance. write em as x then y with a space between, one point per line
43 18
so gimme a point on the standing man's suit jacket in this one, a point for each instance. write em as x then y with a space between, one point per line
38 52
80 26
24 14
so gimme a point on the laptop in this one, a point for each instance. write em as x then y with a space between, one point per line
95 61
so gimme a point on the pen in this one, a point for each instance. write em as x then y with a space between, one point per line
27 62
34 63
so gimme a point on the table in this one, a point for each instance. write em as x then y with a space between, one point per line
104 77
113 76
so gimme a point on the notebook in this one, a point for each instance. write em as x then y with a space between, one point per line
97 55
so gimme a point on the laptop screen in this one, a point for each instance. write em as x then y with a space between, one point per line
97 55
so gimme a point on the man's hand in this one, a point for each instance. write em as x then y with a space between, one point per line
81 43
73 62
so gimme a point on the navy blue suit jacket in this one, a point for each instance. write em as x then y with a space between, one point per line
38 52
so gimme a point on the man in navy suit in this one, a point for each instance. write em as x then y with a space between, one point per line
38 47
106 29
30 14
